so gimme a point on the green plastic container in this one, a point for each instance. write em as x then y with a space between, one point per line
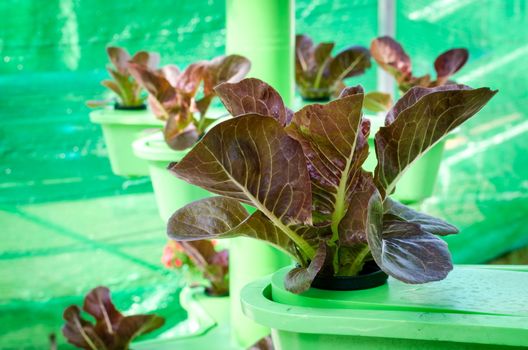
216 307
475 307
170 192
120 129
419 180
203 312
206 326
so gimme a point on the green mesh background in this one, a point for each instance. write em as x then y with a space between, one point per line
68 224
482 183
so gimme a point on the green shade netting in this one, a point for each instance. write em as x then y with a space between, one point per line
68 224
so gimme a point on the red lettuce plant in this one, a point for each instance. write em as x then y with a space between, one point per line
391 56
112 330
176 98
320 76
202 256
128 92
303 173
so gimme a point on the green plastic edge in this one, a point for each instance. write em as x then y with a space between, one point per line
206 335
153 147
112 116
477 328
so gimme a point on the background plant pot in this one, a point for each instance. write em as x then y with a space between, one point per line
419 180
171 193
371 276
217 307
206 326
120 129
476 307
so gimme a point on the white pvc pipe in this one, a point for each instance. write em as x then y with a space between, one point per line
386 26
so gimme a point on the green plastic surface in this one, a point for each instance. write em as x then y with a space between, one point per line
207 325
171 193
52 254
475 307
216 307
120 130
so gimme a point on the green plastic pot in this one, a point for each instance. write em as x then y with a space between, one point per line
419 180
206 326
120 129
217 307
475 307
170 192
203 311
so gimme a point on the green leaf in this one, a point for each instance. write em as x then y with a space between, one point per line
335 147
112 85
420 125
126 87
253 96
300 279
377 101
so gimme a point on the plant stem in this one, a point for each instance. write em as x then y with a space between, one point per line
201 123
320 72
357 264
299 241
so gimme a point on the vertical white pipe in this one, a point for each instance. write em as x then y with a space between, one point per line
386 26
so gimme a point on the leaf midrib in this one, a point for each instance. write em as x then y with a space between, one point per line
303 245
